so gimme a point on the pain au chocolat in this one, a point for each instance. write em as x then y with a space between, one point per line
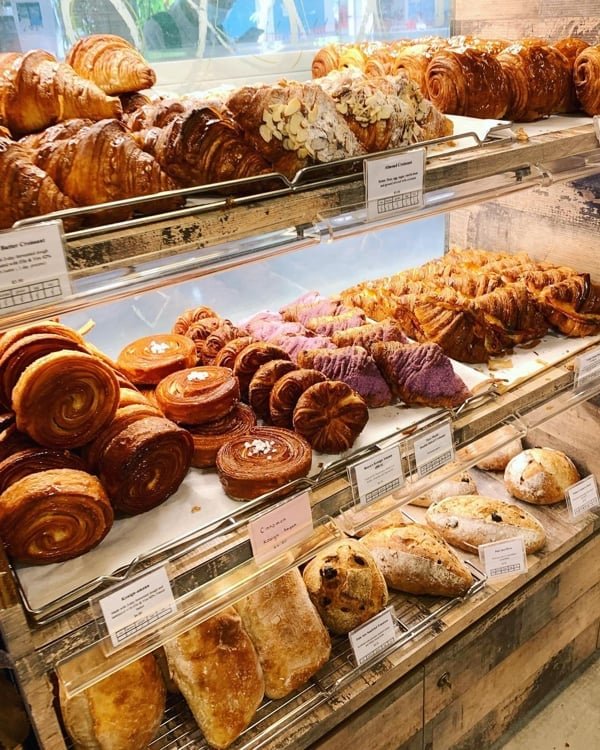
198 395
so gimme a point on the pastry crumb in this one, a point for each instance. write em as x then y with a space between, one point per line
196 509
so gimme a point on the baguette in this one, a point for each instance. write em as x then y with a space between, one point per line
466 521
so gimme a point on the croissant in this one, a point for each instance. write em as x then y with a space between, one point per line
36 91
287 390
132 101
467 81
250 359
571 48
227 355
382 61
326 60
538 79
188 318
25 189
573 305
102 163
199 147
60 132
586 76
413 62
293 125
261 385
158 113
112 63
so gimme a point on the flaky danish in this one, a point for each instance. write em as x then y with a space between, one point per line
53 515
250 359
198 395
65 399
261 461
225 357
185 322
262 384
586 75
571 48
287 390
210 437
112 63
31 460
148 360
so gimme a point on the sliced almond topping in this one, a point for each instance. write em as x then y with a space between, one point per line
302 153
294 105
313 115
265 133
294 122
278 135
302 135
276 109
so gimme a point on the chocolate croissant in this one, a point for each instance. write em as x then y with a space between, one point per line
586 75
36 91
112 63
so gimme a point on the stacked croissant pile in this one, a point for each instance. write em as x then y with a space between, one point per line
495 78
476 304
79 133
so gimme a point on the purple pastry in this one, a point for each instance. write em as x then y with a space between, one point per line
320 308
266 326
327 325
305 299
354 366
295 345
420 374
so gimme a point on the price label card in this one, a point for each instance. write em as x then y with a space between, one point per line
434 449
505 558
394 184
583 496
377 475
33 269
137 606
587 370
373 636
281 528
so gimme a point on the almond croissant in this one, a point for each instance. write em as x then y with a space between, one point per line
36 91
112 63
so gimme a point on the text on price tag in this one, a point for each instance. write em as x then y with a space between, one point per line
137 606
281 528
373 636
33 269
394 184
505 558
434 449
378 475
583 496
587 370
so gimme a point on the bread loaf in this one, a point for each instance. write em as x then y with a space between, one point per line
345 585
466 521
497 460
540 476
462 484
216 667
413 558
291 641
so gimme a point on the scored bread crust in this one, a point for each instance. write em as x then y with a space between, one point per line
466 521
415 559
540 476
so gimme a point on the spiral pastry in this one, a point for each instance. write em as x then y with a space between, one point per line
198 395
226 356
586 75
262 460
469 82
42 328
145 463
129 395
189 317
250 359
31 460
571 48
53 515
538 78
63 400
199 331
25 350
11 440
148 360
330 415
216 340
262 384
286 392
208 438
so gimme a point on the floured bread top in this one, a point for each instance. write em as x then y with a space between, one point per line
488 509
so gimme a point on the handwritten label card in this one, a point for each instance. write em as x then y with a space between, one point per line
33 269
583 496
505 558
394 184
373 636
378 476
137 606
281 528
587 370
434 449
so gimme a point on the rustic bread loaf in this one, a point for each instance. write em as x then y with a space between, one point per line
497 460
461 484
467 521
291 641
345 585
415 559
540 476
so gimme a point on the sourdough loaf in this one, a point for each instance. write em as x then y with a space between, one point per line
540 476
461 484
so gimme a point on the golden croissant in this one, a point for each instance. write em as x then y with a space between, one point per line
36 91
586 75
112 63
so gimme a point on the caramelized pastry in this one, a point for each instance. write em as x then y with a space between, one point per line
467 81
65 399
187 319
42 327
145 464
132 101
572 306
148 360
538 77
53 515
586 74
354 366
369 334
261 461
261 385
571 48
225 357
31 460
209 438
198 395
330 415
112 63
11 440
250 359
286 392
217 339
